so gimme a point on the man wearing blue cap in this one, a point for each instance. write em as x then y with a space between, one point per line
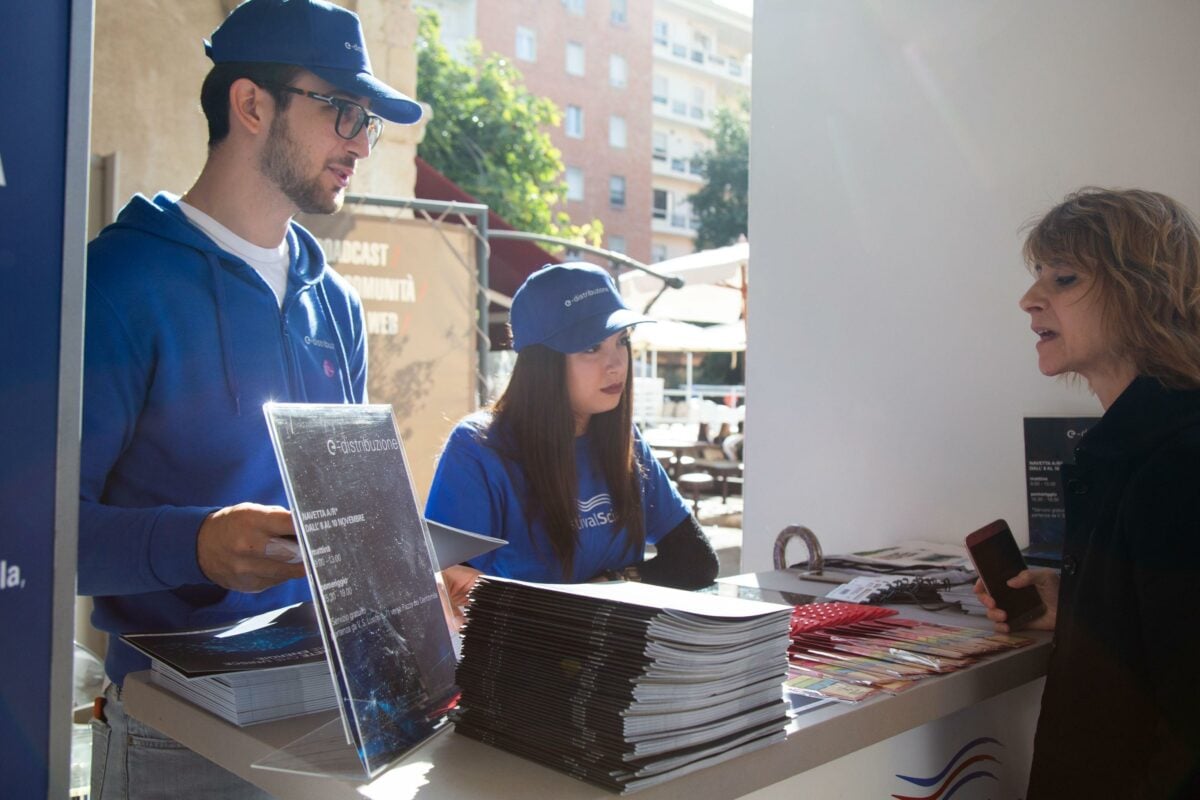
199 310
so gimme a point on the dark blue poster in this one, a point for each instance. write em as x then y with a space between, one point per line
1049 441
41 268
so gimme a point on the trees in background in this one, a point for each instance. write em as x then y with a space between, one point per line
488 134
723 205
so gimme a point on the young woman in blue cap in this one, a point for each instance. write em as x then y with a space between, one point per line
555 467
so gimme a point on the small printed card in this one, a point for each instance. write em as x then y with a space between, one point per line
813 686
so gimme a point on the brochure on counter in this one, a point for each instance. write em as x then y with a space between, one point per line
380 605
262 668
913 554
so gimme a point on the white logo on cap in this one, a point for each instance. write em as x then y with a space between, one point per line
583 296
353 46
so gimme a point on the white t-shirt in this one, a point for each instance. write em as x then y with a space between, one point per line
271 263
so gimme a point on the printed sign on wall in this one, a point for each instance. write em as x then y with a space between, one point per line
417 282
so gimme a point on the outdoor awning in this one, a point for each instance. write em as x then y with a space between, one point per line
512 260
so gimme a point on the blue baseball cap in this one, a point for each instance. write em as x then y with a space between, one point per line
569 308
323 38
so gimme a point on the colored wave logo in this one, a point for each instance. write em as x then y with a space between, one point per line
587 506
961 770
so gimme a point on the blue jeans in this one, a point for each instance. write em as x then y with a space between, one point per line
132 761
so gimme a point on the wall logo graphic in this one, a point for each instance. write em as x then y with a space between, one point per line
971 763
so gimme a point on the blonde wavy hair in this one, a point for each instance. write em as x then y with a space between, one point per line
1142 250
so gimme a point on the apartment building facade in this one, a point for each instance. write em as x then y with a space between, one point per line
701 53
592 58
638 82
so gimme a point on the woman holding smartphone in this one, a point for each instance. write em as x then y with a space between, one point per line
556 467
1116 301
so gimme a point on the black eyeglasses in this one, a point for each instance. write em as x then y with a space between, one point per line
351 117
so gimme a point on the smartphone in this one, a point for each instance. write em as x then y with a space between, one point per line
997 558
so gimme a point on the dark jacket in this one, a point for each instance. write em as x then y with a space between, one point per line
1121 709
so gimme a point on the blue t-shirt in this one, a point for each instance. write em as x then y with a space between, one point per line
478 489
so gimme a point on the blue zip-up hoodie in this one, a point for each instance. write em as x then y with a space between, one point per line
184 343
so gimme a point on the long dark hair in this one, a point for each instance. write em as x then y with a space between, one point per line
534 416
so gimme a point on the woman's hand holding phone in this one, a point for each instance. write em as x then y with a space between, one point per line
1046 583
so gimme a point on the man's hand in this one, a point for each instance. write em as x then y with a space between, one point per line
1046 582
458 580
231 547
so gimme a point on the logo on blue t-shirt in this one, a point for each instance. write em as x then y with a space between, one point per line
589 514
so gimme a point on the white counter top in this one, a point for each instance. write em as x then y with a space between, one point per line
453 766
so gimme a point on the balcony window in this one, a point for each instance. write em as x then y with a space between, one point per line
574 122
576 7
660 90
679 50
661 32
619 13
575 59
659 143
574 183
616 244
526 44
616 191
662 199
618 71
616 132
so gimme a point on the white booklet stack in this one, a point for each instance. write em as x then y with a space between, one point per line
624 685
265 667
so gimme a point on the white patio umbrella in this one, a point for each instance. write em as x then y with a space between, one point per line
672 336
715 283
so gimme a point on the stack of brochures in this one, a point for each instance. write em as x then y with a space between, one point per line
261 668
855 658
244 698
624 685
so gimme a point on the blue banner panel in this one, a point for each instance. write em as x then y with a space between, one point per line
34 58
